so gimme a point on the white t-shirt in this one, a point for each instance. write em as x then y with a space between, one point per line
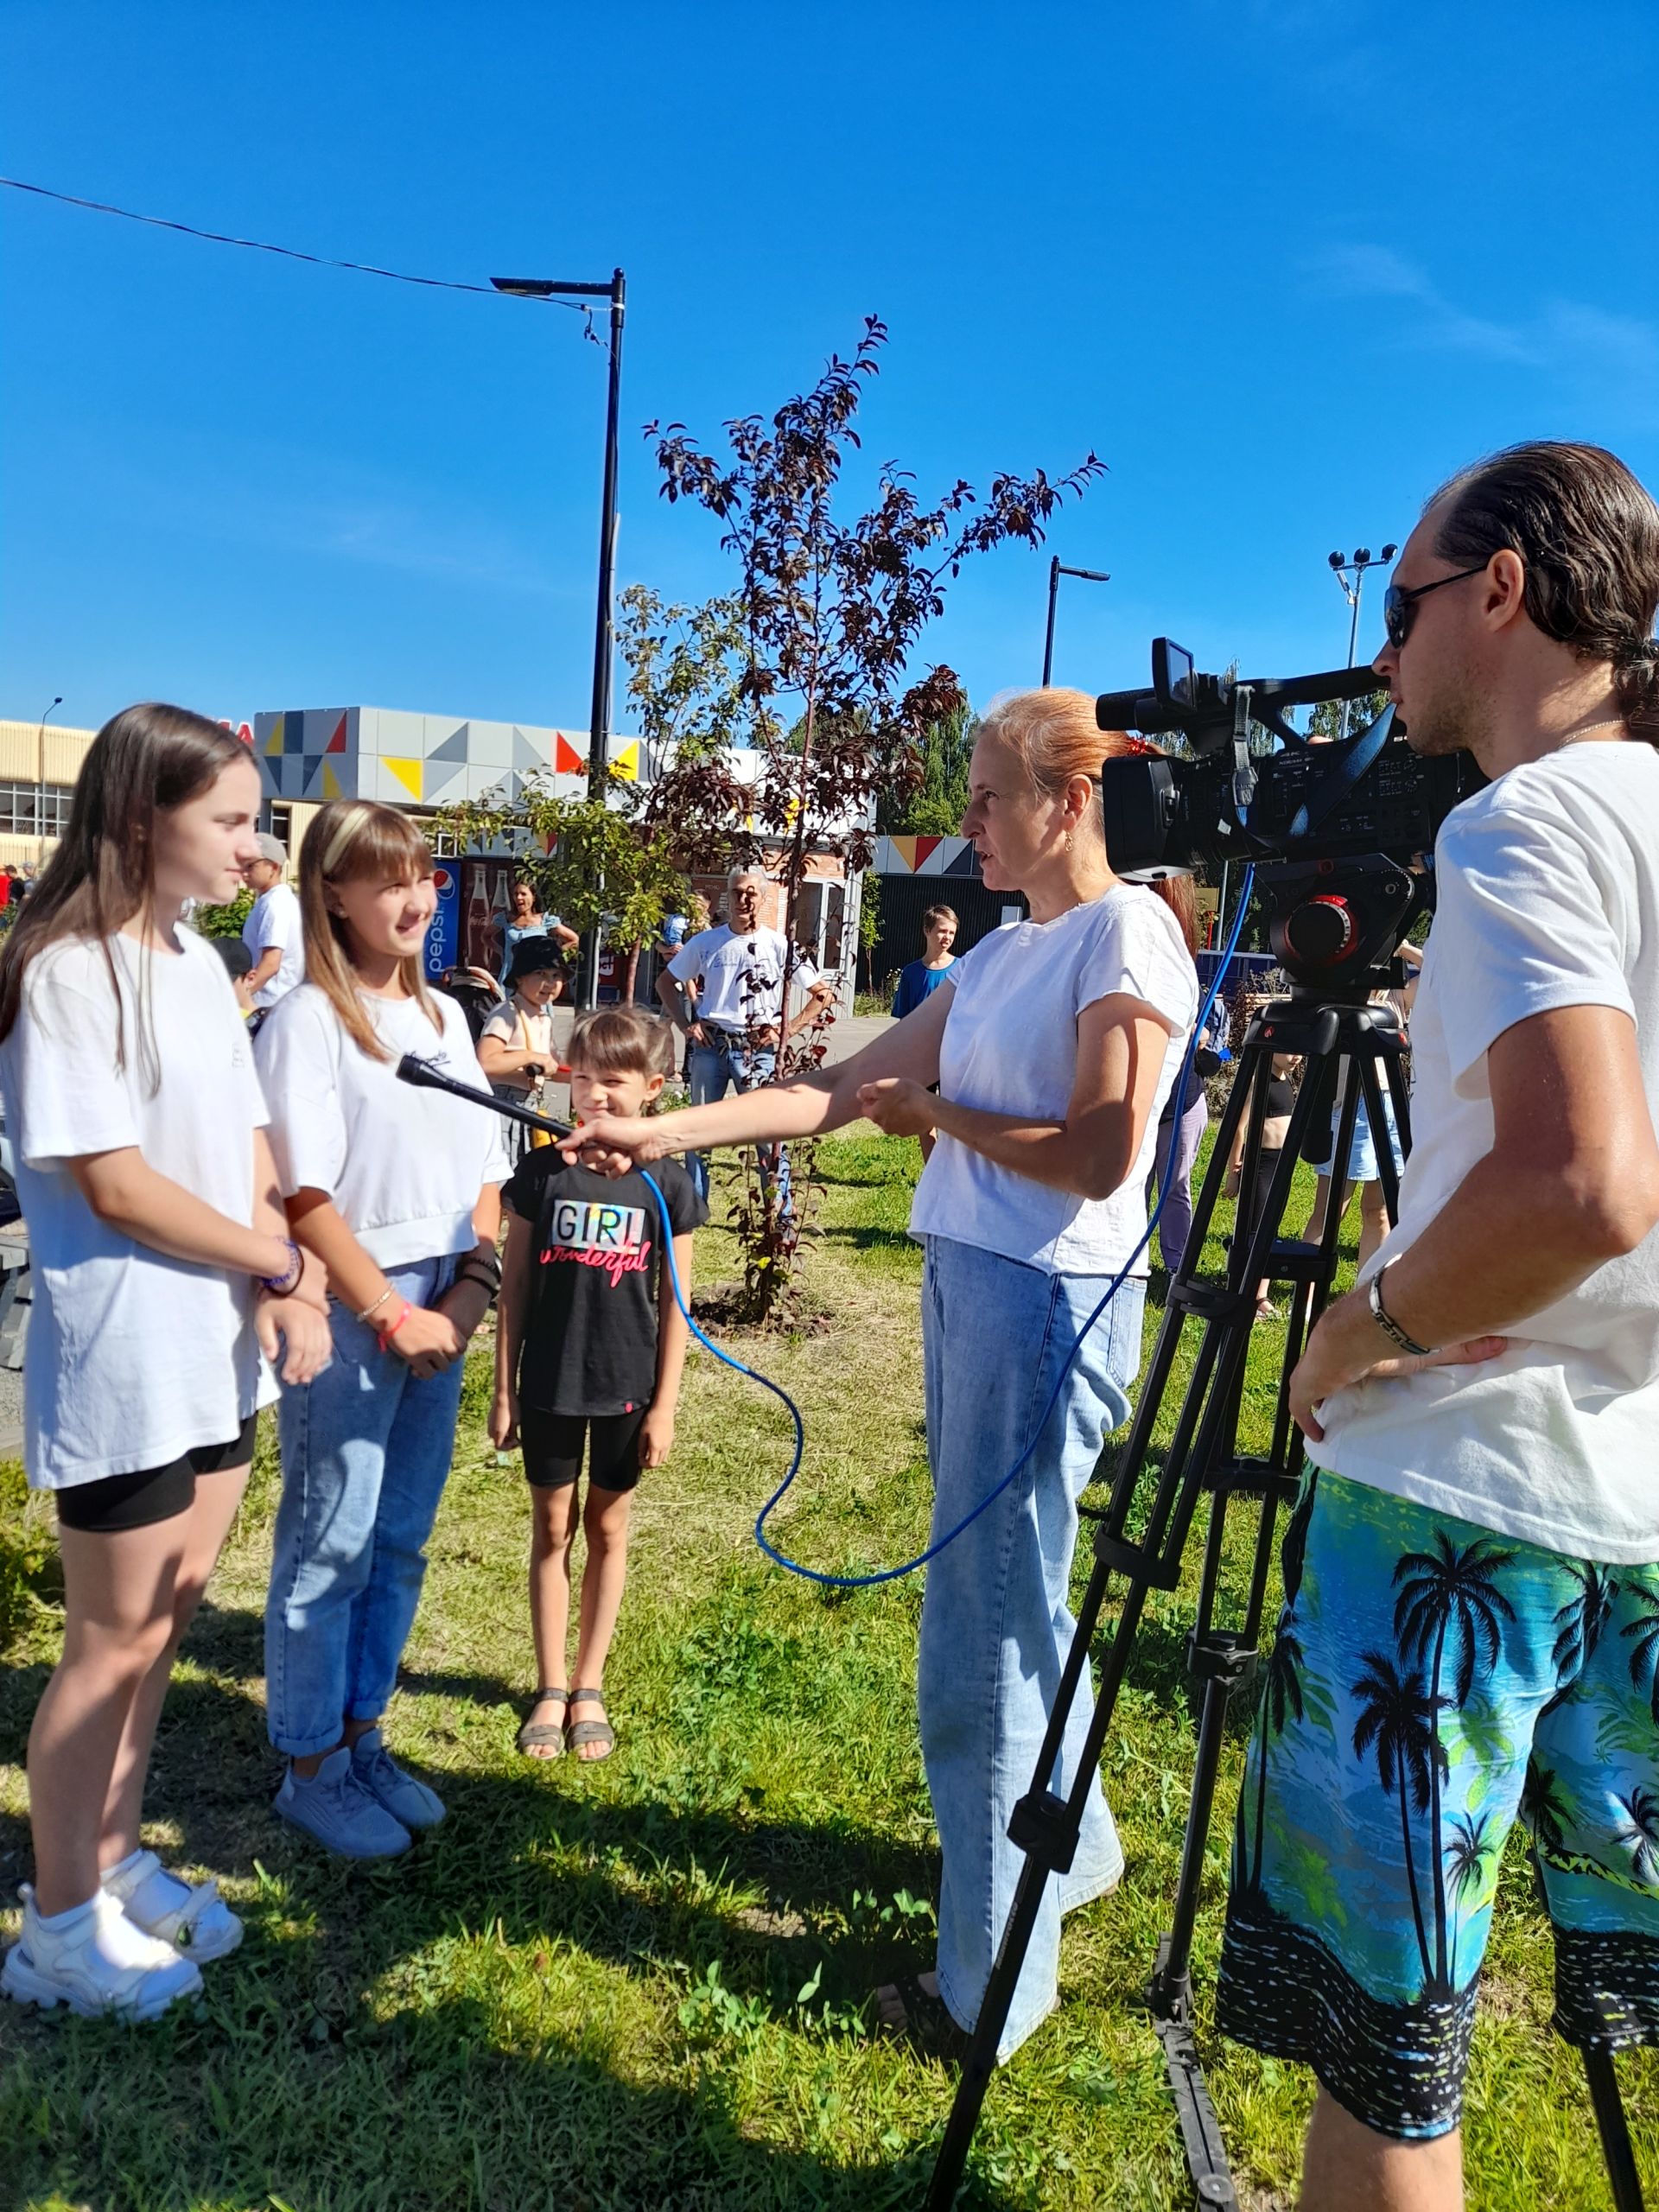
739 975
403 1166
1549 896
1010 1046
134 1358
275 920
522 1030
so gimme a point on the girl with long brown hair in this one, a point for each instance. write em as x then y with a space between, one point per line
1054 1043
397 1192
162 1266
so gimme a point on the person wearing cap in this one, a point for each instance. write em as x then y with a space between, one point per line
272 932
515 1046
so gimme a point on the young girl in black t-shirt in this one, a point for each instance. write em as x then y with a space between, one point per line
589 1349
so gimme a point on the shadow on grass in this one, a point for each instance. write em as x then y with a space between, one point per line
342 1998
632 1882
242 2113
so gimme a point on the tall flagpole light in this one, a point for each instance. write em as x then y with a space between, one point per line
1350 572
40 766
599 725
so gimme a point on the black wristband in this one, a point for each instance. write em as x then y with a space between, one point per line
1390 1328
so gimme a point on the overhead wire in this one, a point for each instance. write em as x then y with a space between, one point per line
296 253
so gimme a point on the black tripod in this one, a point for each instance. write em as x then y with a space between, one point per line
1352 1049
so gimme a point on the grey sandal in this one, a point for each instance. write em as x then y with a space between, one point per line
578 1732
534 1735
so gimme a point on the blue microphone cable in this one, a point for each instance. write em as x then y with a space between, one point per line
910 1566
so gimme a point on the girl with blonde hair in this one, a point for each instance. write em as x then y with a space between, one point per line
396 1191
1054 1043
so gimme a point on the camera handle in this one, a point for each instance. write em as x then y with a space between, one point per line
1146 1547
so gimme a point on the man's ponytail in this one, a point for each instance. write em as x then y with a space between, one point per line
1588 533
1636 681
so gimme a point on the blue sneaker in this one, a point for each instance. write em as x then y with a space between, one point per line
403 1797
334 1807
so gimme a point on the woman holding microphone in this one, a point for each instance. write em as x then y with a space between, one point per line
1054 1044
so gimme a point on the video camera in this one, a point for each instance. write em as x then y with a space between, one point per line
1346 832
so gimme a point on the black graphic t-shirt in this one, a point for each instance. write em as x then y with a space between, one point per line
590 1332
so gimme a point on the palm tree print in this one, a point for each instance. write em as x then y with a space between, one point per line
1282 1693
1579 1623
1447 1596
1640 1834
1644 1658
1399 1719
1544 1810
1465 1864
1293 1555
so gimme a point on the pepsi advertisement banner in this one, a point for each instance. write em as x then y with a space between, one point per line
443 936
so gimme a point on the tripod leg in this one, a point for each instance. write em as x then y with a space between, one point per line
1614 2129
1042 1824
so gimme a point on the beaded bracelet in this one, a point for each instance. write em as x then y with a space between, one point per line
288 1280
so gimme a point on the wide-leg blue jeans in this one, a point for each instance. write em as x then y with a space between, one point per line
996 1626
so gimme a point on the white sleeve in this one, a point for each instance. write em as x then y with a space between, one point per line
1139 954
297 1052
688 961
461 1061
271 923
503 1023
229 1013
1526 920
72 1098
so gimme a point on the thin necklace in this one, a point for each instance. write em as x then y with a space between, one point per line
1612 721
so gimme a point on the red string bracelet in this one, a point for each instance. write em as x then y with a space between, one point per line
386 1334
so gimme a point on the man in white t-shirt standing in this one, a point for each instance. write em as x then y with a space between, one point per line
725 988
1471 1575
272 932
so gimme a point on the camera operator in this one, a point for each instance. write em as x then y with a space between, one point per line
1479 1534
1054 1044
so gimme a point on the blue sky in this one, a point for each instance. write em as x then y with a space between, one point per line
1282 264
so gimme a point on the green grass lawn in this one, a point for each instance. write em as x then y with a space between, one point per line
643 1984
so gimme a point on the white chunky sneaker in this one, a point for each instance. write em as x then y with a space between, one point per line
195 1920
99 1963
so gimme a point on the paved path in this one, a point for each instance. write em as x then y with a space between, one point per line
849 1035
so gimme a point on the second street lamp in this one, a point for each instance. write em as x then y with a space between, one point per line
599 725
1056 570
1350 572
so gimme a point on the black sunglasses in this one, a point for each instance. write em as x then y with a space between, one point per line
1400 606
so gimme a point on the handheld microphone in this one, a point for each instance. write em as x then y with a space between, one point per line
425 1076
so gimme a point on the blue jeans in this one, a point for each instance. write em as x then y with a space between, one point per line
712 1071
996 1627
365 1453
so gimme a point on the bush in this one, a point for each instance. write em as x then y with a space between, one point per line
226 921
25 1552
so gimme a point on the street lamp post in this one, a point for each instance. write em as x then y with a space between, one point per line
1350 572
1056 570
599 726
40 768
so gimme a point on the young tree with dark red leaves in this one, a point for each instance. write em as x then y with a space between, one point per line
830 615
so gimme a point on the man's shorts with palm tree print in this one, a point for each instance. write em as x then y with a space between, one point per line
1431 1682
